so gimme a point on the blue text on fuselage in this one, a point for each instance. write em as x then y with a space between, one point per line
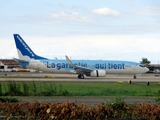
59 66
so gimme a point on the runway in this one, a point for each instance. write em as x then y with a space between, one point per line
70 77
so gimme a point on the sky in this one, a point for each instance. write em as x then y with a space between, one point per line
83 29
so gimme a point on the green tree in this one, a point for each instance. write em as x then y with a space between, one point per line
145 61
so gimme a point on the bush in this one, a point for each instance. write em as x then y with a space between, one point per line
70 111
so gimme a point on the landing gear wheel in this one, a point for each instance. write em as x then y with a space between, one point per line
135 77
81 76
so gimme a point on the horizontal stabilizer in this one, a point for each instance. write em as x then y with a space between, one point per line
21 61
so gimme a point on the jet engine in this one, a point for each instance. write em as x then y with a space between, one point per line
98 73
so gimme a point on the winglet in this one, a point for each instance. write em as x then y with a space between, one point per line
69 62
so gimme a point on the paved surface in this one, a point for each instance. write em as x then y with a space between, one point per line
87 100
66 77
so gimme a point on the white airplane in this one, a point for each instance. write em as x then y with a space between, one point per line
92 68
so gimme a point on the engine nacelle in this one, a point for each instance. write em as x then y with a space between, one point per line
98 73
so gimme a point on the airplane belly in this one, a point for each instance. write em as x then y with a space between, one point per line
113 71
120 71
54 70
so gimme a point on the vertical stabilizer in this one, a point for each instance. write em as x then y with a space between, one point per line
24 51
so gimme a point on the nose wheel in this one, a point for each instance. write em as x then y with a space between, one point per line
81 76
134 77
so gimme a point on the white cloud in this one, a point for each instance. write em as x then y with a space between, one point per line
68 17
148 11
111 47
106 12
55 17
101 47
8 49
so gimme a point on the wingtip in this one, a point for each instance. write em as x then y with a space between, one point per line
66 56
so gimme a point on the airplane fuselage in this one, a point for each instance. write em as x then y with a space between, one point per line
61 66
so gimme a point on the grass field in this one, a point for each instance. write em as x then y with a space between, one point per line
12 88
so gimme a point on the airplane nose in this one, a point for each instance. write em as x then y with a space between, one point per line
146 69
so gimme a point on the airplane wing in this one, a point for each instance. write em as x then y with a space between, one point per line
78 69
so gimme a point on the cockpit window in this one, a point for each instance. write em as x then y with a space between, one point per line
141 65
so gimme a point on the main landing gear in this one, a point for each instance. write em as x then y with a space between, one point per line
134 77
81 76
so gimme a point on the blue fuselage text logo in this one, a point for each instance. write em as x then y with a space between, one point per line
60 66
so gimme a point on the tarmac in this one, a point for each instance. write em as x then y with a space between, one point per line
27 76
88 100
9 76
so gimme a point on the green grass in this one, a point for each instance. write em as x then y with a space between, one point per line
11 88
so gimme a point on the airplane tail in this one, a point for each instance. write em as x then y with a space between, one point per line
24 51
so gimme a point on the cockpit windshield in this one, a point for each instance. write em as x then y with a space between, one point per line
141 65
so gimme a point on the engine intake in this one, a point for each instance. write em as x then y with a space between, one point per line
98 73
